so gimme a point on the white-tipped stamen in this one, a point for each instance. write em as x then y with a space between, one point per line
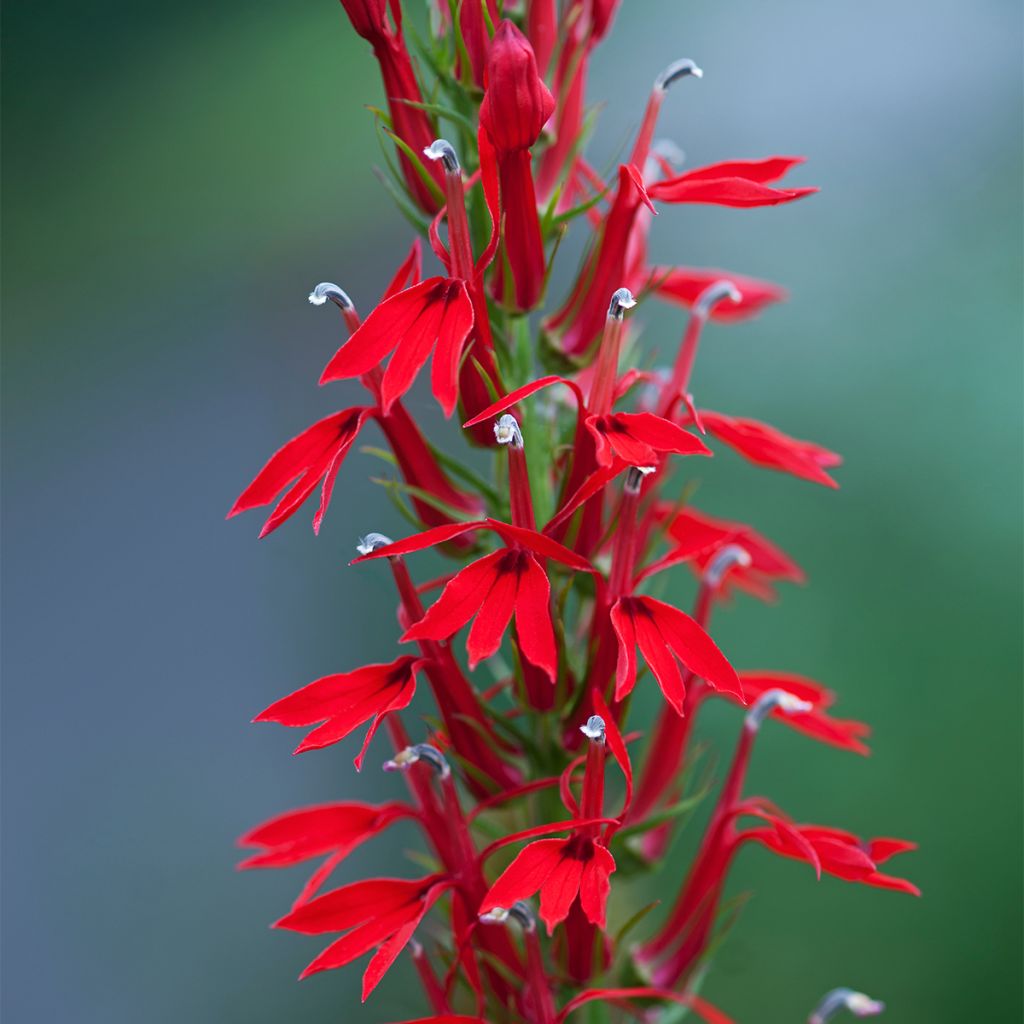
635 477
520 912
371 542
327 291
670 151
405 759
621 301
506 431
594 729
676 70
771 700
712 295
838 999
728 558
443 150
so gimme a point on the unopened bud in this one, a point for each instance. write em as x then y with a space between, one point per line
443 150
371 542
405 759
838 999
678 69
594 729
786 702
327 291
621 301
506 431
712 295
729 557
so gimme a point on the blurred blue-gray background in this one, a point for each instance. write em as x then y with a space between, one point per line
177 176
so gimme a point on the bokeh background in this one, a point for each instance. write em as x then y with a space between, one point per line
177 176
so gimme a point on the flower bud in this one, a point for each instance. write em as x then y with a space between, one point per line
517 102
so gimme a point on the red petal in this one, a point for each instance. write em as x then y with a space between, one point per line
539 544
625 631
533 619
616 745
764 171
352 905
459 601
514 397
685 284
419 541
382 330
595 884
661 434
737 192
495 610
693 647
408 274
525 875
654 648
456 323
560 889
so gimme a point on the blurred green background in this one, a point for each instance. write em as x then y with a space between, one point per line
176 178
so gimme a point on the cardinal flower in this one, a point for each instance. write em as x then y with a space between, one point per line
380 913
515 107
314 457
341 703
560 870
765 446
661 631
335 829
816 721
733 183
697 538
509 580
831 850
434 315
686 284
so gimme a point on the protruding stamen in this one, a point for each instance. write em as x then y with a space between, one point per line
371 542
729 557
670 151
621 301
594 729
327 291
786 702
405 759
712 295
635 478
506 431
676 70
443 150
520 911
838 999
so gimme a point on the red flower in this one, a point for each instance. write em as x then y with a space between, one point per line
380 913
298 835
637 438
491 589
514 109
434 315
561 870
314 456
817 722
734 183
336 829
832 850
765 446
685 284
661 631
342 703
697 538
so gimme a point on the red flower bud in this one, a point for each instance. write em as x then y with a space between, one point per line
517 103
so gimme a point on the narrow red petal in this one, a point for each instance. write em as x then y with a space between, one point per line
533 619
459 601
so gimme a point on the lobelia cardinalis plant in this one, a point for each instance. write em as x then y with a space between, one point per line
507 786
